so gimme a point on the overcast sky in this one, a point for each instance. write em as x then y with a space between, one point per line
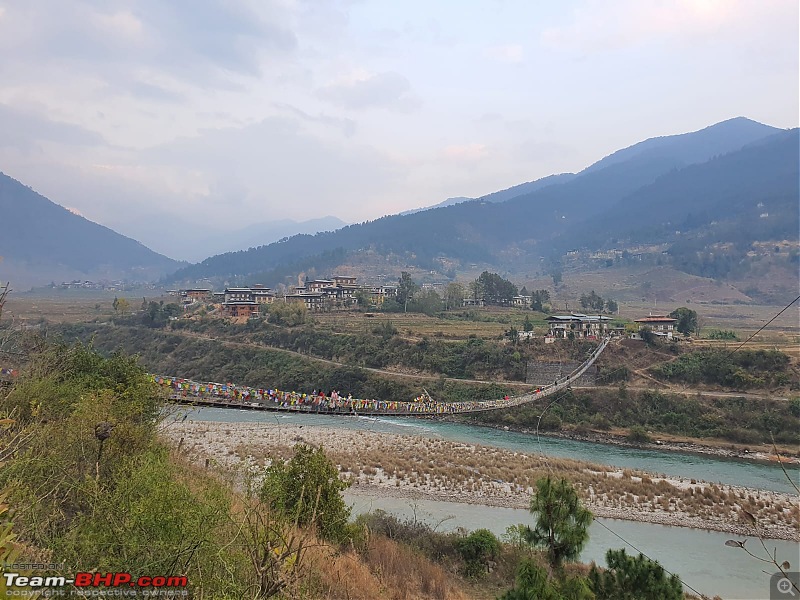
223 113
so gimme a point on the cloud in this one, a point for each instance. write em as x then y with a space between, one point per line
201 44
362 91
509 53
24 129
275 168
347 126
607 26
466 152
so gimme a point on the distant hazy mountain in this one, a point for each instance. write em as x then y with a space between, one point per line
41 241
690 148
502 195
261 234
631 191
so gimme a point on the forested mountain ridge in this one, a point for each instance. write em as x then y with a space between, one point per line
553 218
40 240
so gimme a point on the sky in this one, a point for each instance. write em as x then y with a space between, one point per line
171 121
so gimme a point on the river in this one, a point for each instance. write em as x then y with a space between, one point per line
699 557
676 464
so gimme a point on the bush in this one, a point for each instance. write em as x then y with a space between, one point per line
307 490
638 435
550 422
476 549
601 422
634 577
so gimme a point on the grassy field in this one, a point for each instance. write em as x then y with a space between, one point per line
486 323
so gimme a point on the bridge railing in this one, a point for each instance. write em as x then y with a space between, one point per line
352 406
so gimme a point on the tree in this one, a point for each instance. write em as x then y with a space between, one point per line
308 489
647 335
557 277
122 305
633 578
524 291
562 522
496 290
406 289
538 299
687 320
427 302
593 301
611 306
527 324
454 295
115 304
363 298
532 583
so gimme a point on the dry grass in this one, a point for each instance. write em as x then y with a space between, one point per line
455 471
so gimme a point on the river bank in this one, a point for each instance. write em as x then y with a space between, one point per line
661 442
408 466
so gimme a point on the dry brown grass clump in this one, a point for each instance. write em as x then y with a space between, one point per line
388 570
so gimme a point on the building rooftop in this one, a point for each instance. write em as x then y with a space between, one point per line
655 319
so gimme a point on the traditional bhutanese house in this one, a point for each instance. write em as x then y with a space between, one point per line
240 308
521 301
195 295
579 325
317 284
241 294
344 280
379 293
312 300
262 295
660 325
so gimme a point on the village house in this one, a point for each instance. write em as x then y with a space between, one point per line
245 301
578 326
379 293
314 301
193 295
240 308
660 325
521 301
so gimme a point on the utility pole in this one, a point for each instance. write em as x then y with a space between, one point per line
4 291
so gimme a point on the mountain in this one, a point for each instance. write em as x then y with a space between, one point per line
41 241
618 194
261 234
502 195
696 147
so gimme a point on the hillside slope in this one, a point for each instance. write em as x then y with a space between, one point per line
42 241
547 221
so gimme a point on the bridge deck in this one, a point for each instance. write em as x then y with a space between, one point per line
358 407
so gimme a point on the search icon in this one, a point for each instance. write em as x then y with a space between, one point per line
784 586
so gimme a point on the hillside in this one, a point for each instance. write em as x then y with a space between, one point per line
637 194
42 241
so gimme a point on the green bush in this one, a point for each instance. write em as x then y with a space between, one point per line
638 435
307 490
476 549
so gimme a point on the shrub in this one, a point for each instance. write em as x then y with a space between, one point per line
476 549
638 435
307 490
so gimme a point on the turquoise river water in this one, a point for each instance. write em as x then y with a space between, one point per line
699 557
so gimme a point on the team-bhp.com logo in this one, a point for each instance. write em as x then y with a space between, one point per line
17 584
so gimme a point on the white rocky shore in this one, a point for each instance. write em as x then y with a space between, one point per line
406 466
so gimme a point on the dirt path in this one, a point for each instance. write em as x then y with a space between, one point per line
385 372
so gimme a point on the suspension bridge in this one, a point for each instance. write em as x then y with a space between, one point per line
219 395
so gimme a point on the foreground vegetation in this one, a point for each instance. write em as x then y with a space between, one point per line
92 486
